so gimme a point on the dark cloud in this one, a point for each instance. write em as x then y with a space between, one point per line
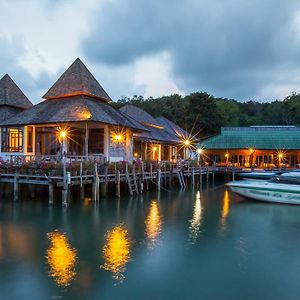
12 53
231 48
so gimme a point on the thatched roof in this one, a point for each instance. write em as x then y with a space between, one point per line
139 115
73 109
172 128
77 80
11 95
157 131
7 112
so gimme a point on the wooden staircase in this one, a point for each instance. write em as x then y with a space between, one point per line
132 183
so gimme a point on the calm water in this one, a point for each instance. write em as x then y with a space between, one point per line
206 244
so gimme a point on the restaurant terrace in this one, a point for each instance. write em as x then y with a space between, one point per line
256 146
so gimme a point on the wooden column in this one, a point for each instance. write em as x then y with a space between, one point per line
86 140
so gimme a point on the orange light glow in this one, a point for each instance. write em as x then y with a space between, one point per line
225 210
226 155
153 223
195 222
154 148
187 143
199 151
61 259
116 252
136 154
251 150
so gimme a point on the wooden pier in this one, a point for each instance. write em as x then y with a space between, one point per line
164 176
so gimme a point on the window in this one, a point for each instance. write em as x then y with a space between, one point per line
29 139
12 140
96 141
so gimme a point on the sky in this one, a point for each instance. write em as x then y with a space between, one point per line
240 49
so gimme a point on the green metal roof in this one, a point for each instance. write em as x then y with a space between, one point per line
257 137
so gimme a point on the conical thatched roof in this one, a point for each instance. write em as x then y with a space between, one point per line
77 80
73 109
11 95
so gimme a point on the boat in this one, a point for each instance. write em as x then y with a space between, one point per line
284 188
260 175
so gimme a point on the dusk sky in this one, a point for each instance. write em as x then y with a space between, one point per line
241 49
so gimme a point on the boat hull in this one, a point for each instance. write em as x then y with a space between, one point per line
267 192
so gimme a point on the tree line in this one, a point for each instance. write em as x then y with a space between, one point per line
204 114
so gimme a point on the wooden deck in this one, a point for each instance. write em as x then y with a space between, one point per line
135 180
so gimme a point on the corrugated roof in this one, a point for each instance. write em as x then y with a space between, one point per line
72 109
262 137
11 94
77 80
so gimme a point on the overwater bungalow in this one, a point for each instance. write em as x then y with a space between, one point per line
74 118
256 146
162 139
12 102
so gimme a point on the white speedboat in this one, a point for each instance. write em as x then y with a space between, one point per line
280 189
260 175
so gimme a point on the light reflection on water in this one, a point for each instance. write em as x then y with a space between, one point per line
61 258
116 252
153 223
225 210
195 221
259 242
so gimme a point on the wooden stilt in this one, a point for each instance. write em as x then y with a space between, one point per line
118 184
51 192
193 176
16 187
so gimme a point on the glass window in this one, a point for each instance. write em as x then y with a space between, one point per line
96 141
12 140
29 139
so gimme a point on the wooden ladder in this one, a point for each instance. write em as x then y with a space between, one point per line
181 179
132 183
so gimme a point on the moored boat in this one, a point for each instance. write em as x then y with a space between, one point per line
284 188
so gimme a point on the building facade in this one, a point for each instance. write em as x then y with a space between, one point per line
256 146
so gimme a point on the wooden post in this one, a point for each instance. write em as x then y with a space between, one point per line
200 174
51 192
158 179
81 182
118 184
171 176
86 140
16 187
65 185
233 175
207 175
193 176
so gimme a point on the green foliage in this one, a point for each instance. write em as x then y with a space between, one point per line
204 115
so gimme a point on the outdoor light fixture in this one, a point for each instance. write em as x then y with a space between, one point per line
280 155
154 149
63 134
135 154
187 143
199 151
251 150
227 155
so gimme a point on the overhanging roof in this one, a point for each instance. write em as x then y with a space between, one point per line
72 109
258 137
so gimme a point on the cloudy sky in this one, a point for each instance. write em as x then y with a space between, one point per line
238 49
